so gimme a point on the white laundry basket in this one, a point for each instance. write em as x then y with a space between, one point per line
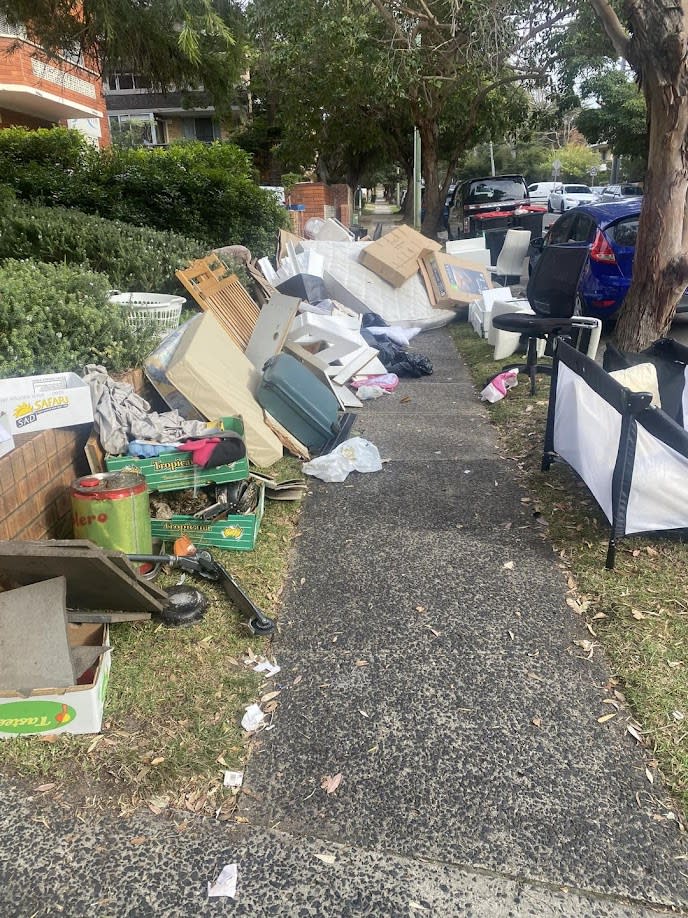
159 310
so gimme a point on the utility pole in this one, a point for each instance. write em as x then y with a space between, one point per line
492 165
417 193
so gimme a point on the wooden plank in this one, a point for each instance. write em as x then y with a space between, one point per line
223 294
359 360
295 447
95 454
78 616
271 329
93 580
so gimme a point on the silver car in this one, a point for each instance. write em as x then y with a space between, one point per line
564 197
621 192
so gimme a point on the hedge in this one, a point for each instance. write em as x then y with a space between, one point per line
133 258
55 318
207 192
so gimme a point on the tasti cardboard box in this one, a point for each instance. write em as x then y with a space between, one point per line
77 709
451 280
394 257
44 402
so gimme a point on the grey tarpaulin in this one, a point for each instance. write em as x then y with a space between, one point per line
120 415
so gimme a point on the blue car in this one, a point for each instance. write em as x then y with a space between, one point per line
609 233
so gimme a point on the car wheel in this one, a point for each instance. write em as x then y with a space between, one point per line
562 207
550 209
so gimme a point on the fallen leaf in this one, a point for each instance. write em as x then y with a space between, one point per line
44 787
421 609
375 748
405 399
417 906
326 858
598 615
635 733
606 717
330 783
363 714
635 552
650 777
674 663
158 760
508 565
638 615
591 629
270 707
574 604
297 680
652 552
220 761
138 840
269 696
536 721
361 663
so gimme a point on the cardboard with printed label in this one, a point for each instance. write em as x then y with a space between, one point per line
44 402
76 709
451 280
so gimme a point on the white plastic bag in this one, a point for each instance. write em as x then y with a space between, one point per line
354 455
498 387
367 392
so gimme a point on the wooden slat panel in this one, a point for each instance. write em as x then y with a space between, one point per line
224 296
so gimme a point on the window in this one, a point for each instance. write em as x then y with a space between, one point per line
135 130
496 189
577 189
127 82
561 230
624 232
204 129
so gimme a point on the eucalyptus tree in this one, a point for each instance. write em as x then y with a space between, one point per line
653 37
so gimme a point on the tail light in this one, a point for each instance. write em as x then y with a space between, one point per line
601 250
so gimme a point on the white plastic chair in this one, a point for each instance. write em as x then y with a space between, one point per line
514 250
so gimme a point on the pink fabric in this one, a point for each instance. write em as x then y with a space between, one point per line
386 381
201 450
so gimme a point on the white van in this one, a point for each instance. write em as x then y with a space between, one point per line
538 192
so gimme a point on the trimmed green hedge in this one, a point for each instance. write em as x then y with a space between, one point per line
55 318
134 258
207 192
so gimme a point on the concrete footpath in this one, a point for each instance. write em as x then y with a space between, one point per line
449 692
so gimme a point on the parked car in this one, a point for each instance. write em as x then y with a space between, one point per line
564 197
608 231
492 194
538 192
620 192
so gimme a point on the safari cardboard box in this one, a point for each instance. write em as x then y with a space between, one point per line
45 402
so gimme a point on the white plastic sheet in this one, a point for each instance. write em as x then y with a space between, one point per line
354 455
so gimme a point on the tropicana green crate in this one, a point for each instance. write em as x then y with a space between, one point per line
175 470
237 532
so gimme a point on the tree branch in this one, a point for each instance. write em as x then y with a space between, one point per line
611 23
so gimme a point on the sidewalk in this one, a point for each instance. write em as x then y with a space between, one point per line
447 689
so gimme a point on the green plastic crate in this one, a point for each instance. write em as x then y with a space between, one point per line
175 471
237 532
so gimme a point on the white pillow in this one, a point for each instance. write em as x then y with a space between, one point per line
640 378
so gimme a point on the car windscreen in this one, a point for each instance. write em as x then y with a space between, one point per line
497 189
632 189
624 232
577 189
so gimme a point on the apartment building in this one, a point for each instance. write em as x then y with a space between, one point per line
155 118
38 92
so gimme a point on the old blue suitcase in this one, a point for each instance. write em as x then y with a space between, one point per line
302 403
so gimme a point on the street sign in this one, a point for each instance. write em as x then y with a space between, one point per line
593 171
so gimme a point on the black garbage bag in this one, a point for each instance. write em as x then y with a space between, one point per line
401 362
372 318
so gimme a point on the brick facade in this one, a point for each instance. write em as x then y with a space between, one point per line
35 478
320 200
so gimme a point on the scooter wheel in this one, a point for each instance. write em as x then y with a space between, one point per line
261 627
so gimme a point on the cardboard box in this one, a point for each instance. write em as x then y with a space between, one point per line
236 532
395 256
175 470
214 374
45 402
77 709
453 281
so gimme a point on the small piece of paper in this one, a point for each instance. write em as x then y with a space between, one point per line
225 885
270 669
253 718
233 778
326 858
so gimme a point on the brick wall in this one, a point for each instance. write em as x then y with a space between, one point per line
36 476
322 201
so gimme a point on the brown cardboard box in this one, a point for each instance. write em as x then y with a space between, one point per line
394 257
451 280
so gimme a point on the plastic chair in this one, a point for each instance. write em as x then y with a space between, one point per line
510 260
552 295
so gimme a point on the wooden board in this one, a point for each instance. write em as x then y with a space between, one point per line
95 454
224 295
271 329
295 447
360 359
263 287
93 580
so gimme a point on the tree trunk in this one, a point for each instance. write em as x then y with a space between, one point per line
660 269
432 204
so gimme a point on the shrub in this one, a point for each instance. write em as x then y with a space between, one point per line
134 258
206 191
55 318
